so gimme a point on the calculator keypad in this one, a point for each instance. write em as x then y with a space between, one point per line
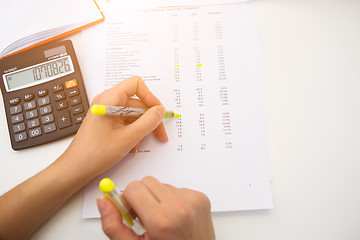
44 101
46 111
19 127
49 128
20 137
31 114
17 118
33 123
35 132
14 101
42 92
16 109
29 105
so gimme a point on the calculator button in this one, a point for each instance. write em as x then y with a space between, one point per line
59 96
17 118
49 128
71 84
44 101
77 110
28 97
47 119
20 137
16 109
19 127
75 101
73 92
79 119
30 105
42 92
61 105
45 110
64 119
57 88
35 132
33 123
14 101
31 114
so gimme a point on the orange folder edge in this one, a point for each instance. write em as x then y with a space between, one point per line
61 35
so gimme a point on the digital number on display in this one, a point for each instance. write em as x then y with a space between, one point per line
39 73
51 69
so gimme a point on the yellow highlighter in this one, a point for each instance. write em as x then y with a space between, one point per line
108 189
126 111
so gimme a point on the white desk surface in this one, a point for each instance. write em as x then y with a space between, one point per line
311 62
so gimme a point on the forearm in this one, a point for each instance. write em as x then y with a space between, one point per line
29 204
98 145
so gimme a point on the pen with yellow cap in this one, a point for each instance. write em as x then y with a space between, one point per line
108 189
126 111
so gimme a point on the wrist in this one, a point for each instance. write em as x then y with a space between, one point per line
73 165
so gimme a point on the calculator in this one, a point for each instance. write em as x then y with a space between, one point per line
44 94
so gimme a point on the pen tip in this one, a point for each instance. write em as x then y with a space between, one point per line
177 115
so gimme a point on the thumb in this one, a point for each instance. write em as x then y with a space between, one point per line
147 123
111 221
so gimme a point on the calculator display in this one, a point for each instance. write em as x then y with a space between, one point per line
38 74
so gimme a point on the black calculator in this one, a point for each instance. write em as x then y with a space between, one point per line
44 94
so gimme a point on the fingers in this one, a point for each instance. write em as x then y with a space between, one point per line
119 94
160 133
160 191
140 199
148 198
196 198
167 212
134 150
122 95
136 86
135 102
147 123
111 222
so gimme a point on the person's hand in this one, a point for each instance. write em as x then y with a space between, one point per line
166 212
102 141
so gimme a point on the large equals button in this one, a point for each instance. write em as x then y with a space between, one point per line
64 119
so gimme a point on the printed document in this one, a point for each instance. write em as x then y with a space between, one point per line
204 63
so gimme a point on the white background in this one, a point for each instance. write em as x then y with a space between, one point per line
311 65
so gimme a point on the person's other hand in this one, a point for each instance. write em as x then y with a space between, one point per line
102 141
166 212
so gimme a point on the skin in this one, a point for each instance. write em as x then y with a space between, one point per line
166 213
24 208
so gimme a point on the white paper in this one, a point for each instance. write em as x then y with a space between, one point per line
204 63
145 4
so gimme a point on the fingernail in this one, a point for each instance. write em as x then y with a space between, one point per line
102 206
